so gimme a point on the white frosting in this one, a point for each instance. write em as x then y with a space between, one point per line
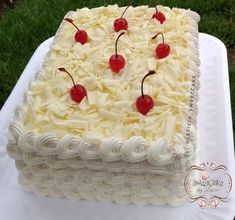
134 149
68 147
14 132
158 154
110 149
103 149
88 151
26 141
104 186
46 144
55 162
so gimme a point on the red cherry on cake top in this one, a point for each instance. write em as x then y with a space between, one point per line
77 92
117 61
144 103
159 16
81 35
162 50
121 23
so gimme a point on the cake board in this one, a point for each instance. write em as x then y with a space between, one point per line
215 145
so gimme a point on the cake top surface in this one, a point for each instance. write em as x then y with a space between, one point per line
109 109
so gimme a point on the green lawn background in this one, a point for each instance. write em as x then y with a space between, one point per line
31 22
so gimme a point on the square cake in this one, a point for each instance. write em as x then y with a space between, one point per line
112 114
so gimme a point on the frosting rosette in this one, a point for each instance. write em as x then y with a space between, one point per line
14 151
26 141
159 153
46 144
32 158
134 149
67 147
14 132
88 151
110 149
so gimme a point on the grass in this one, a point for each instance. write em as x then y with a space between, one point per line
22 29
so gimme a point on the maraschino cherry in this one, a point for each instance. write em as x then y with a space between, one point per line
159 16
121 23
162 50
81 35
117 61
144 103
77 92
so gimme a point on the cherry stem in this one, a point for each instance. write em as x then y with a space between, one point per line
155 8
151 72
125 10
71 22
62 69
157 35
117 42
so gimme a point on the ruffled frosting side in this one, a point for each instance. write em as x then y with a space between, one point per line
122 188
